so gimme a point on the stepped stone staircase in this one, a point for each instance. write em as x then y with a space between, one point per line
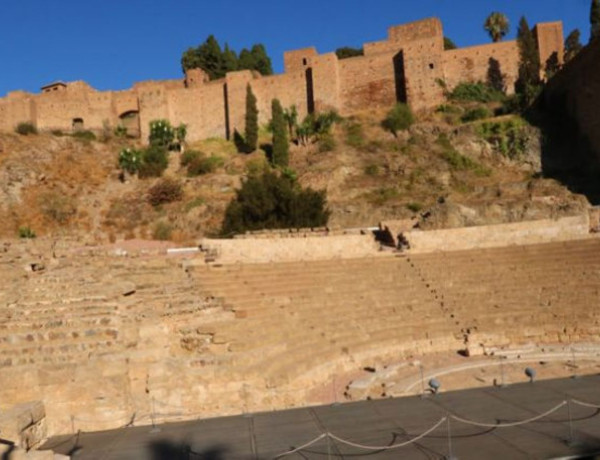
107 339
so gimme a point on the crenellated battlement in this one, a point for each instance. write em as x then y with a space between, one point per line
407 67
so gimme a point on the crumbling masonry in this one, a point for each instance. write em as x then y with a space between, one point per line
410 66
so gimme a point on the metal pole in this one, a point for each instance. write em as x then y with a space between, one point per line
152 414
450 455
502 384
422 380
334 393
571 439
574 362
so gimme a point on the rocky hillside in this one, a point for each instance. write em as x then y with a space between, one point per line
446 172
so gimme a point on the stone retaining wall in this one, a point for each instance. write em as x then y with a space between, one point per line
263 250
489 236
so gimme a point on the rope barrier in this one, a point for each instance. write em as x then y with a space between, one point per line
362 446
505 425
395 446
584 404
304 446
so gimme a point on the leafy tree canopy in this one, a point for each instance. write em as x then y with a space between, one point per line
216 62
271 201
573 45
348 52
449 44
595 20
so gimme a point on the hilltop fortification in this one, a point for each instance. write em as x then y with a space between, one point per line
410 66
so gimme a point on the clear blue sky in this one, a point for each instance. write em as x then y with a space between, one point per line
113 43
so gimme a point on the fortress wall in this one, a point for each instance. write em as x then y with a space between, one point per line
418 30
472 64
366 81
550 39
201 108
236 99
429 30
403 67
289 88
56 112
572 97
124 101
264 250
326 82
153 106
520 233
423 67
298 59
17 107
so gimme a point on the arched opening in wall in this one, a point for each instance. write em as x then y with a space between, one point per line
77 124
310 94
130 122
400 77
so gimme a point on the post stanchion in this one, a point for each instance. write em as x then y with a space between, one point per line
450 455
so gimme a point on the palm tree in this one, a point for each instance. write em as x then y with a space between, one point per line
496 25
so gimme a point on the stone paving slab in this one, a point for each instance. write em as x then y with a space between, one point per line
382 422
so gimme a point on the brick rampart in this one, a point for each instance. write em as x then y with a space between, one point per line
408 67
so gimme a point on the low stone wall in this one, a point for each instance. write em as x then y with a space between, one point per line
489 236
263 250
24 424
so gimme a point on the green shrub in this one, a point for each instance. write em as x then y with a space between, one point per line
383 195
26 128
281 147
26 233
400 118
154 161
57 133
509 138
476 92
414 207
204 165
130 160
325 121
372 170
457 161
84 135
326 143
274 201
165 191
354 135
189 156
257 166
478 113
448 108
196 202
162 231
120 131
162 133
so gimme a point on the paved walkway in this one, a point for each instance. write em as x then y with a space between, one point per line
376 423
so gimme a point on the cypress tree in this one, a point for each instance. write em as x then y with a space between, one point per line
280 139
495 78
229 60
595 20
572 45
262 62
210 58
251 132
529 63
